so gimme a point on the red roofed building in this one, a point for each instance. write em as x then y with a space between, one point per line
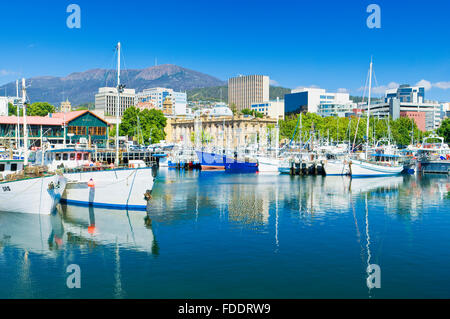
78 124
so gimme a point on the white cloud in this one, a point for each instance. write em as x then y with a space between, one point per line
442 85
273 83
381 89
342 90
6 72
313 86
426 84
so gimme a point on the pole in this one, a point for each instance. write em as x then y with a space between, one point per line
368 109
25 129
18 115
118 104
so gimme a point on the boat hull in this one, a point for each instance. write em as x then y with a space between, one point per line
336 168
241 167
33 195
268 165
117 188
364 169
211 161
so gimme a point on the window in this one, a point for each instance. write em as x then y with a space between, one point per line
65 156
86 156
79 155
58 156
2 167
13 167
72 156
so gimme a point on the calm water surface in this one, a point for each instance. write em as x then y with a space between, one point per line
218 235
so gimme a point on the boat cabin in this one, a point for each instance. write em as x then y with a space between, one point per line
10 166
67 158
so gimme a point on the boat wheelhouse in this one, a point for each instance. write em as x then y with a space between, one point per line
68 158
10 166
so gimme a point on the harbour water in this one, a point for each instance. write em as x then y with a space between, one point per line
221 235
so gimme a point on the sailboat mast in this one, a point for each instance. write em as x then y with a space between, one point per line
118 104
18 115
25 129
368 108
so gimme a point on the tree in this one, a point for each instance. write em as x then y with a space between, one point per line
205 138
233 108
151 124
12 110
444 130
252 112
40 109
353 129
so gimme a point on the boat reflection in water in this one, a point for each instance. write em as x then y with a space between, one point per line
239 235
86 227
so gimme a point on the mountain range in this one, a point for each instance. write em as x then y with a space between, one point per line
81 87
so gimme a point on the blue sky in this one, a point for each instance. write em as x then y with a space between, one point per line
295 42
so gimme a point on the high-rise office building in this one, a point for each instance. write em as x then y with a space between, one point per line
243 91
158 95
106 101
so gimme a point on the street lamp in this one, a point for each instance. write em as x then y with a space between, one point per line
70 135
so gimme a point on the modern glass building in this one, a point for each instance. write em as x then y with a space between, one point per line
407 93
316 100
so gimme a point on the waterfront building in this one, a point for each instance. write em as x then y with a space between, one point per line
405 101
159 95
231 131
65 106
316 100
79 124
272 109
106 101
243 91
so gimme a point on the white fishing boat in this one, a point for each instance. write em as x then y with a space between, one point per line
119 188
95 184
359 168
32 195
28 189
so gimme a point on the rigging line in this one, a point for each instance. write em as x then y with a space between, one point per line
365 86
131 188
125 66
375 78
110 69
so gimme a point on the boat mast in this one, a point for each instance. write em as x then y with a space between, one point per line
18 115
277 137
25 130
368 109
118 104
